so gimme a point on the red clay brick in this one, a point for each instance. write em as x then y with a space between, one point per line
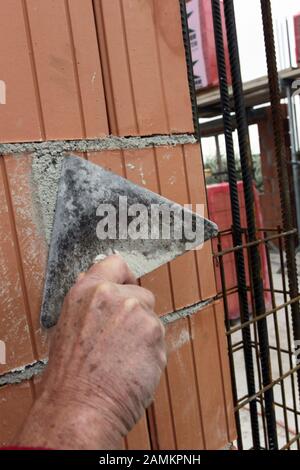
20 116
32 245
197 195
173 64
193 406
54 57
173 185
111 160
50 79
163 417
210 384
183 387
15 403
88 68
141 49
14 328
138 438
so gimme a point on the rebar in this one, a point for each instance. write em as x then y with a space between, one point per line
263 316
189 62
246 166
282 171
294 156
291 354
260 241
236 219
230 348
285 378
278 340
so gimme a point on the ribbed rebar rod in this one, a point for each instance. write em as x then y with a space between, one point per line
236 219
255 263
282 171
230 347
189 61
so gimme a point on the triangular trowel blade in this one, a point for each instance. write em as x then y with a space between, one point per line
75 243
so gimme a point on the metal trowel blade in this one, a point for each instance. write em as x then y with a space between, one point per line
88 196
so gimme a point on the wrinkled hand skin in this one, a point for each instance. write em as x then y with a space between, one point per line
106 357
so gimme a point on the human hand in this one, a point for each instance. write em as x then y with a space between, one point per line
106 358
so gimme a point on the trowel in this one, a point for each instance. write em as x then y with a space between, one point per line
99 213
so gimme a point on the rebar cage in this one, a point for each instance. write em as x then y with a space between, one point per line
284 363
264 338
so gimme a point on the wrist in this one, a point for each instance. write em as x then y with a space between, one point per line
61 424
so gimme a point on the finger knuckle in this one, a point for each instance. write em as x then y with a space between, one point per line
154 328
105 289
118 263
130 304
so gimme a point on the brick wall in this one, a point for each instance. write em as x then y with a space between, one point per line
77 73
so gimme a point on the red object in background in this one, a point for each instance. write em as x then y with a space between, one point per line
220 213
297 36
202 40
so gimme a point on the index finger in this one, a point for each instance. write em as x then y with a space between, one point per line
113 269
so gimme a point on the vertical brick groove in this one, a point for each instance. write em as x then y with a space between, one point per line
18 253
129 71
34 70
75 68
107 82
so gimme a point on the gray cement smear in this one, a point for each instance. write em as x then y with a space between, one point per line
46 170
47 162
23 373
186 312
93 145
